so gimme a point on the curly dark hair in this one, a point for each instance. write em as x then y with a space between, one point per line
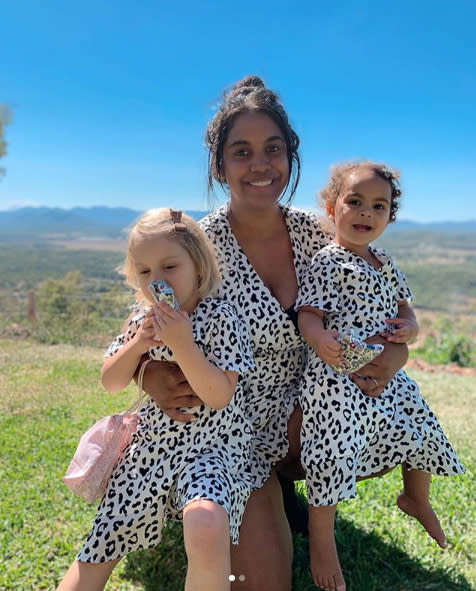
249 95
340 172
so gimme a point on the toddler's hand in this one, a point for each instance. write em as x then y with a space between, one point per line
401 330
172 327
328 349
145 335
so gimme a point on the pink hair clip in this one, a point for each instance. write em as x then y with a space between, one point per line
176 216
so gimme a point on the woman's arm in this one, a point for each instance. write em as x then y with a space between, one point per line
374 377
165 383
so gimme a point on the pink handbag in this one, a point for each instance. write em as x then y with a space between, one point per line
100 448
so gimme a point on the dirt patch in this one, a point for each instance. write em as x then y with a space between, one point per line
451 368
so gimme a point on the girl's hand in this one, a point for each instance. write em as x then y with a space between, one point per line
172 327
328 349
401 330
144 338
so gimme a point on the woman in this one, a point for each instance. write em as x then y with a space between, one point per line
263 248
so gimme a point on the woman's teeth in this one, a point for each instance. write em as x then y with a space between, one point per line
261 183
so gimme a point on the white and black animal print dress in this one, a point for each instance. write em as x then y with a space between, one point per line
168 463
345 433
271 389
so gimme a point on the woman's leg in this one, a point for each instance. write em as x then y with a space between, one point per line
325 566
87 576
415 501
290 469
290 466
263 559
206 534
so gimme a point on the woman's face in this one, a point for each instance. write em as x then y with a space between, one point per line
255 161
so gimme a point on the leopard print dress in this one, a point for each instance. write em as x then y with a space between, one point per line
271 388
168 463
346 434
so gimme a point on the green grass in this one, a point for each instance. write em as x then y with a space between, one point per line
51 394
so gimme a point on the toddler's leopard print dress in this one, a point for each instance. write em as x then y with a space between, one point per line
346 434
271 389
168 463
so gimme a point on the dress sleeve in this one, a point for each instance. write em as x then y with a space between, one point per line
318 288
399 283
227 343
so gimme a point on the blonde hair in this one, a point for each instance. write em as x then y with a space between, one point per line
160 222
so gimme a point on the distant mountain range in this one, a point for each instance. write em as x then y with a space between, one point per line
37 223
33 223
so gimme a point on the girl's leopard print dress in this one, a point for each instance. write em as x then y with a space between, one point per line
168 463
271 389
346 434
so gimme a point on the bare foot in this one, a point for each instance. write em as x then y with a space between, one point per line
325 566
425 515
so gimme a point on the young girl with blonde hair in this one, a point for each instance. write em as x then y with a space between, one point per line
198 470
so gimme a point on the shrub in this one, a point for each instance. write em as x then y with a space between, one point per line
447 344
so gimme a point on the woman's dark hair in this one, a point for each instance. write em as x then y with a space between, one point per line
247 96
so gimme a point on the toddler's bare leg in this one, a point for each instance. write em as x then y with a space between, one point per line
325 566
206 534
87 576
415 501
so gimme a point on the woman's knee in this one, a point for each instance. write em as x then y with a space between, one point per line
205 526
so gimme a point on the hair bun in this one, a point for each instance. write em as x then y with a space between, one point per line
245 86
254 81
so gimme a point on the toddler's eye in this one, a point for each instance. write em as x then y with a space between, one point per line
274 148
144 272
241 153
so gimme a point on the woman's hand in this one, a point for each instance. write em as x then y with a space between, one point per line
374 377
165 383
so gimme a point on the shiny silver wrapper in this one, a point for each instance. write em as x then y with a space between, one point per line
162 292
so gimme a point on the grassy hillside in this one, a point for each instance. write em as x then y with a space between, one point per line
441 267
51 394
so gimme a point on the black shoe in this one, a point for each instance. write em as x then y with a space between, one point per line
295 507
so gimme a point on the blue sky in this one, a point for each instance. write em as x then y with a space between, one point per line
111 99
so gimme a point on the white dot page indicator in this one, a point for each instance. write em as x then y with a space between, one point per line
241 578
